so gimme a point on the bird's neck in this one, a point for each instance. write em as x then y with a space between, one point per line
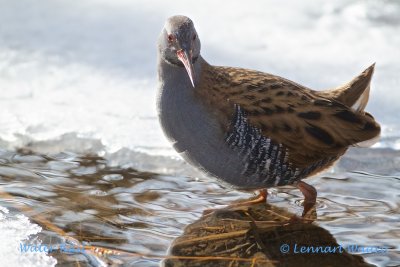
175 77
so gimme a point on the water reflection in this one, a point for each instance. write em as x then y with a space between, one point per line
257 235
123 216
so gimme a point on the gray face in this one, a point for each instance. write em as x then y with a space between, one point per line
179 44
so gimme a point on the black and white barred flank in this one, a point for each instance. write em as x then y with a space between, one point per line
264 159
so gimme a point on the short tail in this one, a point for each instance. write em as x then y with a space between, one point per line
354 94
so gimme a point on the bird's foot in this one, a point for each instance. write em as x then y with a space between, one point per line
260 198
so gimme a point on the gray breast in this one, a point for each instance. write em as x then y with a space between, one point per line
242 158
193 130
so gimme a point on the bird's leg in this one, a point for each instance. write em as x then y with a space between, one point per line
310 196
260 198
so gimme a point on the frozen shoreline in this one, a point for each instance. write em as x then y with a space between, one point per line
89 69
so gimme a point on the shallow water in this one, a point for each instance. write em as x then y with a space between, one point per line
137 215
78 126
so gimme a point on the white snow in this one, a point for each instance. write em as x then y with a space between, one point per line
89 67
16 229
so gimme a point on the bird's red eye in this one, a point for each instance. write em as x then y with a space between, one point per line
194 37
171 38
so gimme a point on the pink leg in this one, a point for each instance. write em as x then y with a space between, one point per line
310 196
260 198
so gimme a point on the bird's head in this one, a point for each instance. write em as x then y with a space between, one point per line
179 44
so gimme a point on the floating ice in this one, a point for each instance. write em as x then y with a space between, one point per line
16 230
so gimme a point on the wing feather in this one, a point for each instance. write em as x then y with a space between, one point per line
309 126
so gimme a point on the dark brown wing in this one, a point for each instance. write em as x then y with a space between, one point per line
309 126
354 93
